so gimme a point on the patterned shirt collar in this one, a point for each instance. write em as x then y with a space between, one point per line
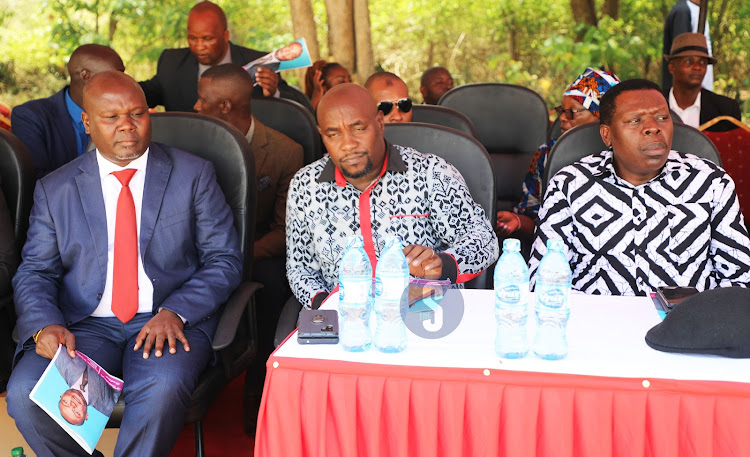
394 164
606 168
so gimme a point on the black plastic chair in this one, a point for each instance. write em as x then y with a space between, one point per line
235 341
553 133
293 120
441 115
465 153
584 140
18 180
511 122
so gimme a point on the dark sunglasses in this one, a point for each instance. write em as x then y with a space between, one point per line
404 105
569 112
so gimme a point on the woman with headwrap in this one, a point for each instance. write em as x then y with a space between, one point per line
580 105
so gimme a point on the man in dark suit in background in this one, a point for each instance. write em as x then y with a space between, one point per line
694 104
131 252
51 128
175 84
224 93
683 18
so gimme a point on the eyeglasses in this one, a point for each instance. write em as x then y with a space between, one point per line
569 112
404 105
691 61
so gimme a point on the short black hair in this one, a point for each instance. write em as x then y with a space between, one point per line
229 71
607 104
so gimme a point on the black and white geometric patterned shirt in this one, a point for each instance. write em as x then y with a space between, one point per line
682 228
420 198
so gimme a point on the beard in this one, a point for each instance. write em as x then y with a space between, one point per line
360 174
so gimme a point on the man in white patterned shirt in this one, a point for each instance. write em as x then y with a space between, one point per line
639 215
368 187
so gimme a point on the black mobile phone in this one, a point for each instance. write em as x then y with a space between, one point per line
318 326
669 296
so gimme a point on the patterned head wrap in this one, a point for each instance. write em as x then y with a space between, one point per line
590 86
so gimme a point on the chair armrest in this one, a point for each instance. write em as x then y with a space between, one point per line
287 320
230 318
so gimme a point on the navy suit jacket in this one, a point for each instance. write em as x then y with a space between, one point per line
175 85
189 247
45 127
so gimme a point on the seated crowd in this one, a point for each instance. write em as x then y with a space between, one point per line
633 217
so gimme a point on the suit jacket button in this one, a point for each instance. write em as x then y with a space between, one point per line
98 296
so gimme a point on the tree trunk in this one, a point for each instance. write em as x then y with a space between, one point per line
303 25
512 26
112 26
584 11
341 32
611 8
362 41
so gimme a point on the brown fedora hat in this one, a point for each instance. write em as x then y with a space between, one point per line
690 44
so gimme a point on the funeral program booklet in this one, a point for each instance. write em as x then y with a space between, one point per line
294 55
79 395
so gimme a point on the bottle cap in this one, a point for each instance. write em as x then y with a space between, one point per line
511 244
17 451
555 245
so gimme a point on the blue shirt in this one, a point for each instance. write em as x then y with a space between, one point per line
82 138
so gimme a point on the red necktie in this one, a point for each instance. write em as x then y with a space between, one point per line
125 272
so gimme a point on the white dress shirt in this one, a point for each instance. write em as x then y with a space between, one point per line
111 190
691 115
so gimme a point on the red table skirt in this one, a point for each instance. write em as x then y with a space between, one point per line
323 408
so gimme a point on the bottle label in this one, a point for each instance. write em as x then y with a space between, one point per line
355 291
391 287
512 295
553 298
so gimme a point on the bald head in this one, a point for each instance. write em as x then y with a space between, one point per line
384 78
352 130
347 95
224 92
116 116
205 7
88 60
110 82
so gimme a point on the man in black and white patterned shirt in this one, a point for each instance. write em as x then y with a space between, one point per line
638 215
369 187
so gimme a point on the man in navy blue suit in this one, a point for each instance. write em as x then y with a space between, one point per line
51 128
188 261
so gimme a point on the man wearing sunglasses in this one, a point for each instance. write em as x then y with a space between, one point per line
369 187
688 61
391 96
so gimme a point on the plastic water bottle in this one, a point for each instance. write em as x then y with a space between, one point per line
391 297
355 297
511 302
553 281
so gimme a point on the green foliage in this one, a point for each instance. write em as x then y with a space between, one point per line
532 43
